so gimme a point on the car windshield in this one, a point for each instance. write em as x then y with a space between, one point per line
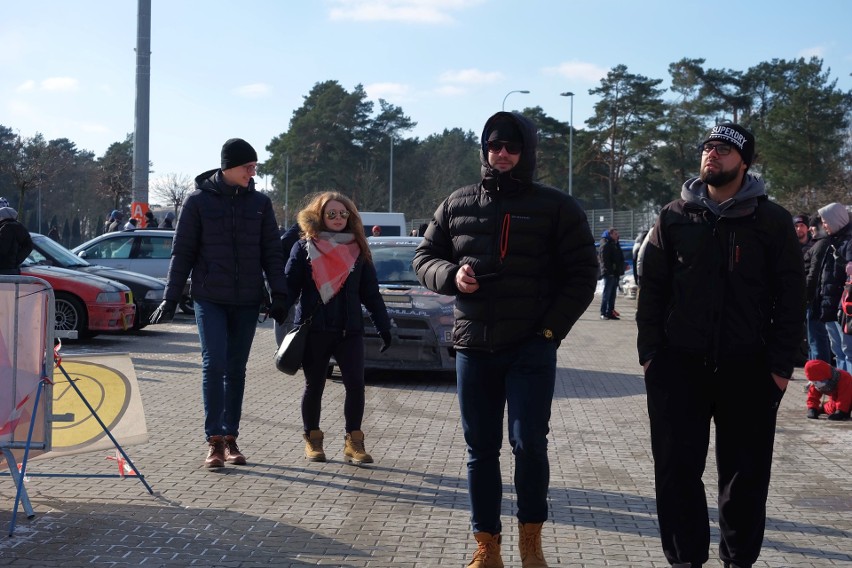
48 251
393 263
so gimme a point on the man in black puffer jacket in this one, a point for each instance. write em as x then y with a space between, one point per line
520 259
721 317
227 238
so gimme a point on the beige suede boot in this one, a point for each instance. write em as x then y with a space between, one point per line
487 553
529 544
353 448
313 446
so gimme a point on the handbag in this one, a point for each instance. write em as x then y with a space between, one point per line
288 357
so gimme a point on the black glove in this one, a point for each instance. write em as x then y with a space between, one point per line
278 309
164 312
386 341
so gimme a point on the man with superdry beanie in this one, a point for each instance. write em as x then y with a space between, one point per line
227 239
834 383
721 311
834 270
520 259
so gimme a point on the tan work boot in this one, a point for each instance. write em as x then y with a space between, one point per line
487 553
353 449
313 446
529 544
232 452
216 452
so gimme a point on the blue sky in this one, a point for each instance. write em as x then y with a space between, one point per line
221 69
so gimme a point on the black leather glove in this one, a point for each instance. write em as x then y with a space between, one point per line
386 341
278 309
164 312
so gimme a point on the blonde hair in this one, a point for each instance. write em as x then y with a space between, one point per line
310 219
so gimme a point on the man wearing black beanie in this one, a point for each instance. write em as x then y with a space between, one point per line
227 241
520 260
720 324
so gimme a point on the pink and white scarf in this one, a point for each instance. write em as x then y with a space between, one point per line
333 256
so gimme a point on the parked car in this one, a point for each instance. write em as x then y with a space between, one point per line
148 251
147 290
85 303
421 320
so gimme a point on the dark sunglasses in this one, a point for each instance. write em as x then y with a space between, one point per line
721 149
331 214
511 147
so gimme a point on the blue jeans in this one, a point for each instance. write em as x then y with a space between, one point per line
841 345
524 377
226 333
820 347
608 297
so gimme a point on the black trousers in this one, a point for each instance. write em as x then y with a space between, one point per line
348 351
742 399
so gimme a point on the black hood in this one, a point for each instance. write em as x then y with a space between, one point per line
520 175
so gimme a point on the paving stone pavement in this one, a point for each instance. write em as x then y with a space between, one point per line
409 509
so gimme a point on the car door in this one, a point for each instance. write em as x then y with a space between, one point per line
151 255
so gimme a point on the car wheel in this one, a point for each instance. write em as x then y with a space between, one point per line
71 315
139 322
186 305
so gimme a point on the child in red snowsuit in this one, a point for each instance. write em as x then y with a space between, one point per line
827 380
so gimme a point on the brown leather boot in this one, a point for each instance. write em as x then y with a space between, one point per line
216 452
353 448
529 544
487 553
313 446
232 452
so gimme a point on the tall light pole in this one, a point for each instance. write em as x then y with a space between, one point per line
390 176
509 93
570 143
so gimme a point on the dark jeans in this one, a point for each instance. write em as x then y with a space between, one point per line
742 400
348 352
524 377
610 290
818 342
226 333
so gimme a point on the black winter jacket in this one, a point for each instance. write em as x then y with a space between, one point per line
529 244
612 258
15 244
832 273
343 312
723 287
227 239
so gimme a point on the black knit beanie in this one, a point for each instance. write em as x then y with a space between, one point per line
236 152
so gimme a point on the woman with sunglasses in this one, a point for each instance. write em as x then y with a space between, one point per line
331 273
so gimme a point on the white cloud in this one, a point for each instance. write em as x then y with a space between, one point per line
816 51
578 71
411 11
450 91
471 77
26 87
388 90
254 91
59 84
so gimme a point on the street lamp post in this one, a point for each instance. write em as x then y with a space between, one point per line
509 93
570 143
